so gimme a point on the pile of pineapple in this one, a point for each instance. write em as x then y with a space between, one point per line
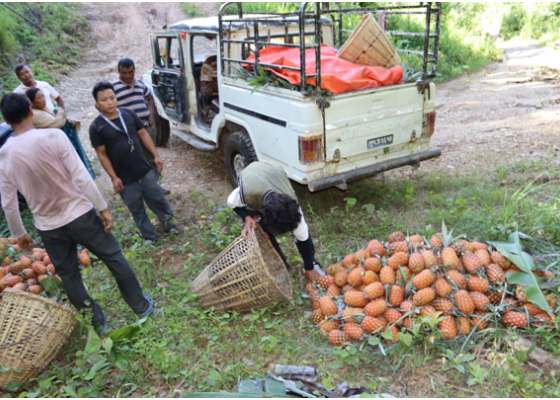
388 287
22 271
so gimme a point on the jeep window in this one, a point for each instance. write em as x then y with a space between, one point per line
167 53
203 47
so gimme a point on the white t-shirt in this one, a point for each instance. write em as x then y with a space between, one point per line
48 91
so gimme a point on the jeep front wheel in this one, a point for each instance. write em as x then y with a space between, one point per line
239 153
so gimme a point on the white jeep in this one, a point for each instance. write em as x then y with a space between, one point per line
320 140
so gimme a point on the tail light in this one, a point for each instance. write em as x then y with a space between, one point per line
311 149
429 124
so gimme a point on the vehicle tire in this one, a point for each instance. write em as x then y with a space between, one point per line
163 130
239 153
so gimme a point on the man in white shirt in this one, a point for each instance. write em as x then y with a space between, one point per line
25 76
44 167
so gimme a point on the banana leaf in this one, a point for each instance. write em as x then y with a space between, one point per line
513 251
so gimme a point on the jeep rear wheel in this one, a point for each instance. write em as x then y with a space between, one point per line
239 153
163 130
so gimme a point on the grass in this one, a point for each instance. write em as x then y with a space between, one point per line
191 10
183 349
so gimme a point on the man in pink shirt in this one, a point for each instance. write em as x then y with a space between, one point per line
44 167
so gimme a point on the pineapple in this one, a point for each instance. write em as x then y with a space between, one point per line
35 289
520 294
449 257
449 253
394 330
369 277
424 279
442 287
436 240
333 290
427 311
456 278
514 318
424 296
448 328
471 263
397 260
316 316
478 284
531 308
480 300
352 314
374 290
393 316
387 276
416 241
335 269
338 338
445 306
460 247
20 286
376 249
327 306
464 302
12 280
360 256
397 247
479 322
354 331
396 237
329 324
349 261
340 279
543 319
355 276
355 299
495 273
407 306
407 275
15 268
498 258
396 295
463 326
372 324
372 264
376 307
325 281
430 259
417 262
479 246
483 256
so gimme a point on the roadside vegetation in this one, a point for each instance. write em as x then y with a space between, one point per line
47 36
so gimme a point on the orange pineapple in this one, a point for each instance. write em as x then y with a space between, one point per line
424 296
374 290
376 307
338 338
355 299
354 331
397 260
514 318
424 279
396 237
442 287
448 328
376 249
396 295
327 306
329 324
464 302
387 276
372 264
480 300
372 324
416 262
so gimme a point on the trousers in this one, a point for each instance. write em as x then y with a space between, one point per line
148 189
62 246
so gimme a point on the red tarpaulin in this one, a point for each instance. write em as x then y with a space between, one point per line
337 75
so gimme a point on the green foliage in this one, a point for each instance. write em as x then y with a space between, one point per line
56 47
191 10
531 21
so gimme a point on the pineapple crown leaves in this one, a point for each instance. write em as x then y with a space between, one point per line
513 251
448 238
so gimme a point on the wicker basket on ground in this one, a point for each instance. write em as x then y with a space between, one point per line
32 331
369 45
249 274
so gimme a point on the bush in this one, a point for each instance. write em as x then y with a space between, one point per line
57 45
532 21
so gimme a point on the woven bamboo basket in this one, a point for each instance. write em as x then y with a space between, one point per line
249 274
369 45
32 331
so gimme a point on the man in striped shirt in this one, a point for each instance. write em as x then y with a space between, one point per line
132 93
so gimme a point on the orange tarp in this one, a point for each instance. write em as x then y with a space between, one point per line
337 75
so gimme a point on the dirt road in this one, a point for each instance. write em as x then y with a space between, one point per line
507 111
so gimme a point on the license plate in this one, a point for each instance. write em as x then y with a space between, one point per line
380 142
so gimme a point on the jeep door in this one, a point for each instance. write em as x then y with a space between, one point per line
169 80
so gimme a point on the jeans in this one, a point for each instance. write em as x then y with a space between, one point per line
87 230
147 189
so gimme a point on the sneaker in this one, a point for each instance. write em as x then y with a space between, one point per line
101 331
148 242
173 231
150 308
